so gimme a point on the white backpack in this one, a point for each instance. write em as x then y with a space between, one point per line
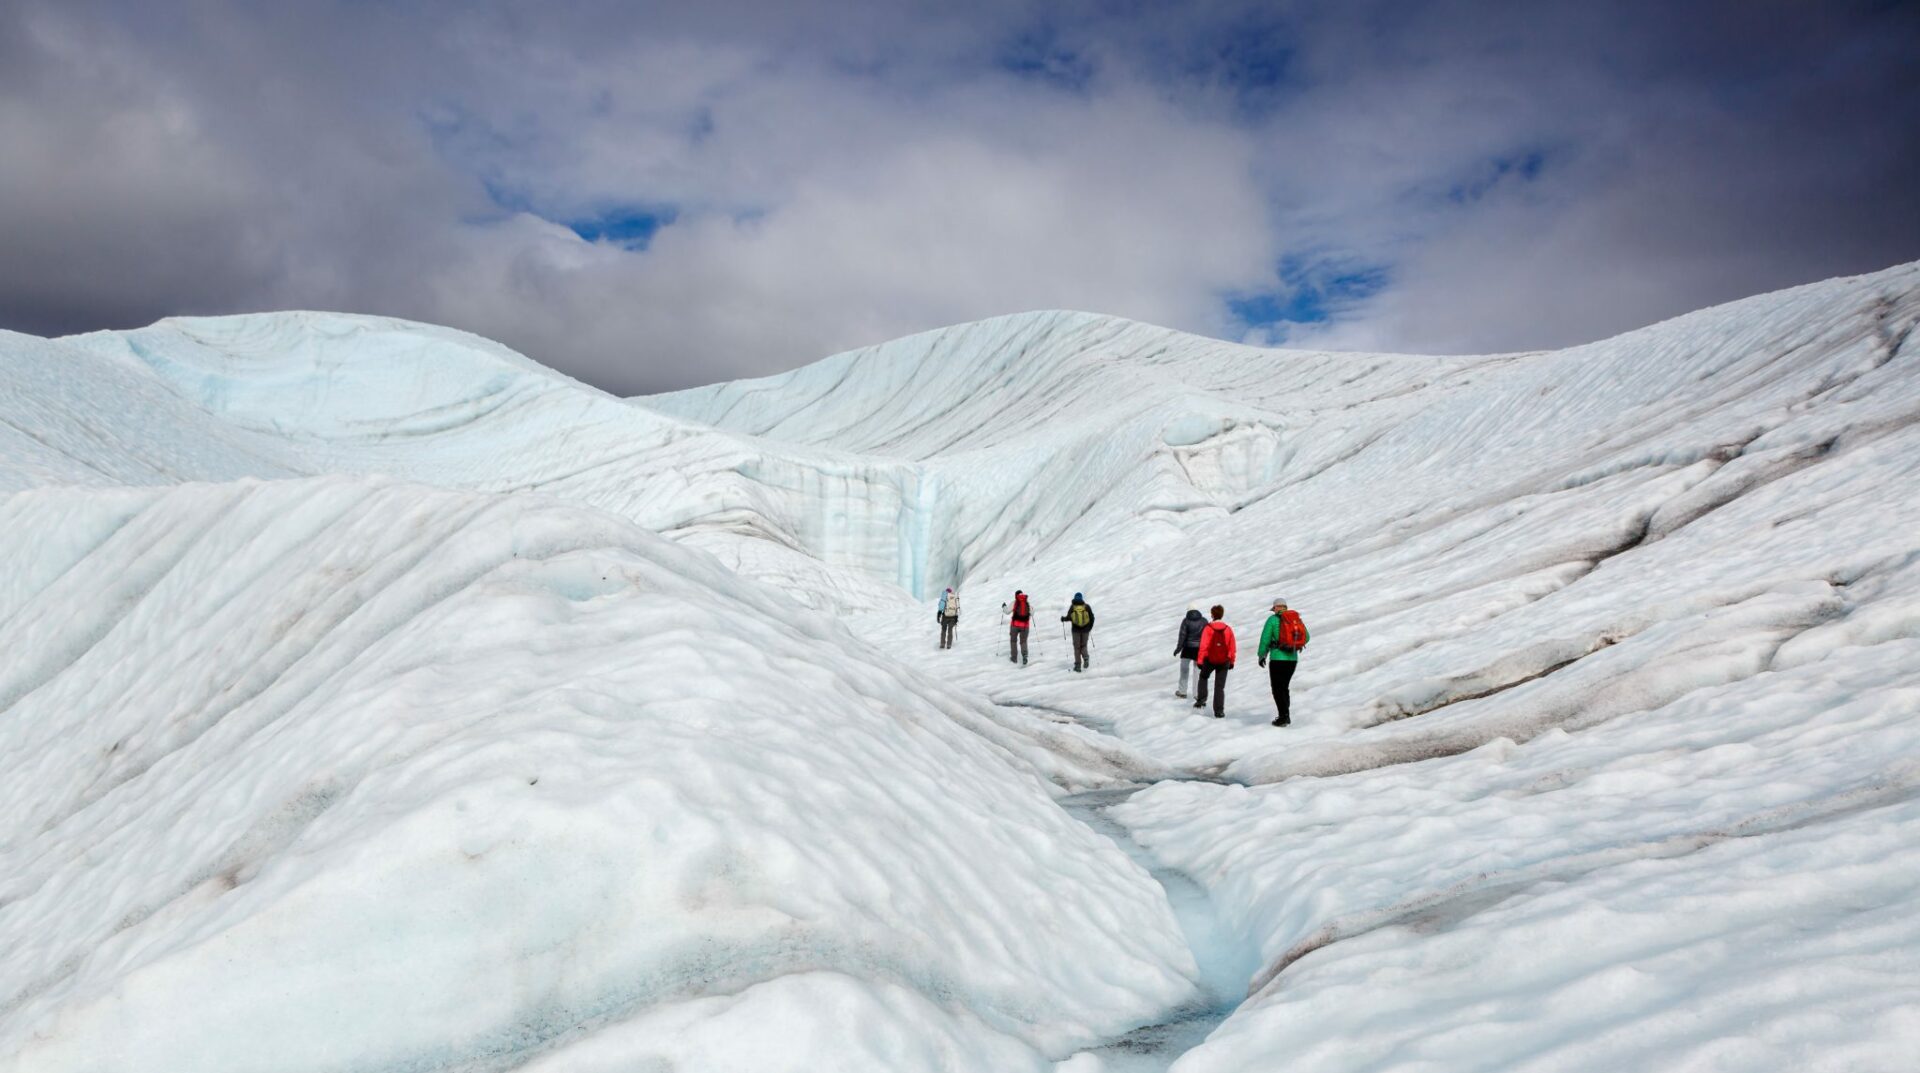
953 605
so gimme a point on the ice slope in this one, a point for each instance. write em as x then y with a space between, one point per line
1607 514
1057 438
1724 882
69 419
1607 747
340 774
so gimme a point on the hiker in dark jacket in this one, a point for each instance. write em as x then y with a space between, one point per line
1280 644
1080 616
1187 647
1217 652
1017 626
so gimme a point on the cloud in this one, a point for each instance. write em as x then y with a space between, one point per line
118 204
1703 161
654 197
870 219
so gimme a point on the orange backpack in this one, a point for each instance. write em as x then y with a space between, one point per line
1293 631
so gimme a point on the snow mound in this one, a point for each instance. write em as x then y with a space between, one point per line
284 394
333 376
478 775
66 419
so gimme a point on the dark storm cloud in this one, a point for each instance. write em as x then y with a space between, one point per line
650 195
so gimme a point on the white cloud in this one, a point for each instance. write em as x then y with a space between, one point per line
1109 203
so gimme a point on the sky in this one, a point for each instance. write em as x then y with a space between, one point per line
649 196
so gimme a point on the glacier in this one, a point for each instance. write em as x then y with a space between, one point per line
379 699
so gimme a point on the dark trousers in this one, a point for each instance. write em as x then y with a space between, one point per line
1017 641
1080 657
1280 673
946 631
1218 672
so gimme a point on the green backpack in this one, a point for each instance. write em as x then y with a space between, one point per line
1080 615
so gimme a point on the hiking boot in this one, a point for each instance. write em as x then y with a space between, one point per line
1283 722
1199 703
1219 715
1181 693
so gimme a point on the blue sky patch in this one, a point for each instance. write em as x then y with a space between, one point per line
1518 167
1252 61
631 226
1039 55
1311 291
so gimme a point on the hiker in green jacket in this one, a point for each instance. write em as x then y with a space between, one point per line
1280 645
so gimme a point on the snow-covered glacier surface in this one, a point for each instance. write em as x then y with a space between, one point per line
350 774
357 716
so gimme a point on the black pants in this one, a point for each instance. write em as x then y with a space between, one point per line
1218 672
946 631
1080 657
1017 641
1280 673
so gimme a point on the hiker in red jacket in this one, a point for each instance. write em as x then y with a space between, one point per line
1017 625
1217 652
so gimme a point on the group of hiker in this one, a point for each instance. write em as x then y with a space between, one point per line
1210 646
1204 644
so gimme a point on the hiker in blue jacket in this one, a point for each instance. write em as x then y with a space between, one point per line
948 616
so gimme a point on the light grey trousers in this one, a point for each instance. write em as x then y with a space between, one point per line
1186 668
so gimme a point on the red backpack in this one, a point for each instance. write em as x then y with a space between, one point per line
1020 611
1216 645
1293 631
